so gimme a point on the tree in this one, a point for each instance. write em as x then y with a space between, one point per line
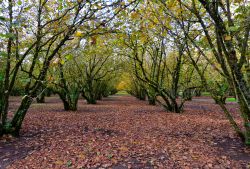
86 68
219 31
157 57
95 68
33 35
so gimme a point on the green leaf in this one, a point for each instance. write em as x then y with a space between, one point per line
1 78
69 57
60 7
69 164
19 2
247 124
7 35
110 156
27 80
27 8
62 61
2 53
10 35
2 18
233 28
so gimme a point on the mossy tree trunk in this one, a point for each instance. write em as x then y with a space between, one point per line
13 127
68 92
41 97
69 99
151 93
188 94
88 91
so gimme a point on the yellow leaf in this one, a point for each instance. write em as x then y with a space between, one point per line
50 78
59 162
123 3
81 156
98 6
144 38
164 33
123 148
156 21
227 38
121 86
78 34
171 3
135 15
238 1
151 25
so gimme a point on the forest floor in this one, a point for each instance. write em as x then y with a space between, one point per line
122 132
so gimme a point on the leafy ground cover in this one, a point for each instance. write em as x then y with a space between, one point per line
122 132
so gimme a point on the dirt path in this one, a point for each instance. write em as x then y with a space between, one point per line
121 132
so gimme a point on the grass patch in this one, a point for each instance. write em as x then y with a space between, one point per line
122 93
231 99
205 94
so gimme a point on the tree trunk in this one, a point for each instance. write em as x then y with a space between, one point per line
70 106
41 98
1 130
248 75
151 100
197 92
220 99
187 94
142 94
91 100
69 101
18 118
